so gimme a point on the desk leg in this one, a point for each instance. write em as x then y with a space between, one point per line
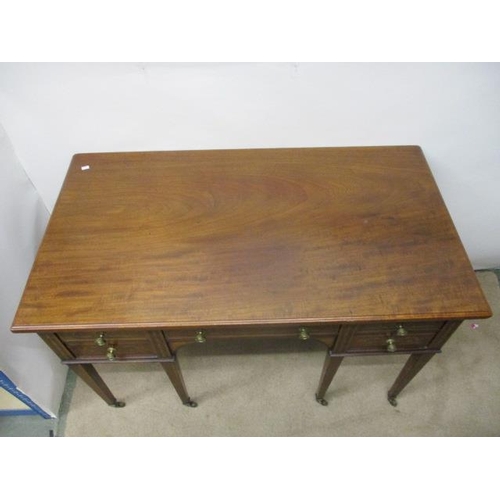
174 373
330 367
85 371
410 369
418 361
334 357
90 376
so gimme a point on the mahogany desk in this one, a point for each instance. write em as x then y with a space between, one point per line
147 252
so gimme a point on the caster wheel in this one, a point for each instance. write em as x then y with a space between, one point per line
393 401
322 401
191 404
118 404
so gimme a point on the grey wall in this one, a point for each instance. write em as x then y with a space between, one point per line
52 111
24 358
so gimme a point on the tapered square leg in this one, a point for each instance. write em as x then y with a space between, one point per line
414 364
417 361
90 376
174 373
330 367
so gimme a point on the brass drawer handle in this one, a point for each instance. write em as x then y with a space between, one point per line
401 331
391 345
111 353
303 334
100 341
200 337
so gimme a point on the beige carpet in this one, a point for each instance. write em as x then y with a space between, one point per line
272 393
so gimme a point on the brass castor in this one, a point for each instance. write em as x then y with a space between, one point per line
118 404
191 404
392 401
322 401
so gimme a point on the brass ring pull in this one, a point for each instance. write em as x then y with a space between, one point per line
111 353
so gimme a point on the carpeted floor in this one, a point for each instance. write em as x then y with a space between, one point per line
243 391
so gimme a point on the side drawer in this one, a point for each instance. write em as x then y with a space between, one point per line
393 337
109 345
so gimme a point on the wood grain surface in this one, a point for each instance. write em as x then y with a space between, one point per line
248 237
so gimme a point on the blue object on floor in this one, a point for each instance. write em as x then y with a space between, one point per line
17 413
10 387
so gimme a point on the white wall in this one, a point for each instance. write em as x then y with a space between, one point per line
52 111
25 359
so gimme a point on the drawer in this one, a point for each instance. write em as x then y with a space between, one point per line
379 342
108 345
178 337
393 337
391 329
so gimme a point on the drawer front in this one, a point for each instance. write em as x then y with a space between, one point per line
393 337
391 329
179 337
111 346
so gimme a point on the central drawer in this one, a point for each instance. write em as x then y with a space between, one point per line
178 337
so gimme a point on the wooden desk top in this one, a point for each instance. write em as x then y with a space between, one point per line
238 237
